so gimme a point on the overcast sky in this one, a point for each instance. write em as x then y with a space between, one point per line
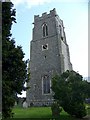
74 14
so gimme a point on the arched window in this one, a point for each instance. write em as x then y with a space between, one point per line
46 84
45 30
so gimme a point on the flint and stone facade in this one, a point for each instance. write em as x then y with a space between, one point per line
49 55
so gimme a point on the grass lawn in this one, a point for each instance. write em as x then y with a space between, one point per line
38 112
41 112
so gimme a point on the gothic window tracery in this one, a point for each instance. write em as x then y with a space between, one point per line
45 30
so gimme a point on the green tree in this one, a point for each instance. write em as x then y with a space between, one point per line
14 73
70 90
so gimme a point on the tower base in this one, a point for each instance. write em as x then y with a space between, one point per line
40 103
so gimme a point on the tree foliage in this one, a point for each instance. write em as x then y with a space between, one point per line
14 71
70 90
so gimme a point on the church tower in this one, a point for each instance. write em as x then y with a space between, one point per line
49 55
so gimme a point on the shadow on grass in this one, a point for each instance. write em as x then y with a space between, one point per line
62 117
46 116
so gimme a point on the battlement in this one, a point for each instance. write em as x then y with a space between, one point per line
45 15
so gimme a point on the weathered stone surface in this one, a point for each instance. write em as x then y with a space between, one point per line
49 55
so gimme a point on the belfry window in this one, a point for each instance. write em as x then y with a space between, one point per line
45 30
46 84
60 28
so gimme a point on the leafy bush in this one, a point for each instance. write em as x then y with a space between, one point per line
71 90
80 111
75 109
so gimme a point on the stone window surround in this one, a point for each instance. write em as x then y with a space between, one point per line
43 47
42 87
45 29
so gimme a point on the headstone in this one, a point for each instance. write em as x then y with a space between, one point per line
25 105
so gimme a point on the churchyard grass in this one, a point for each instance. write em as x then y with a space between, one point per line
32 112
41 112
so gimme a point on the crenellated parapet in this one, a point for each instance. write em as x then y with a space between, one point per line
44 15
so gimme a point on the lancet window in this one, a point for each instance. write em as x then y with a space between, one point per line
45 30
